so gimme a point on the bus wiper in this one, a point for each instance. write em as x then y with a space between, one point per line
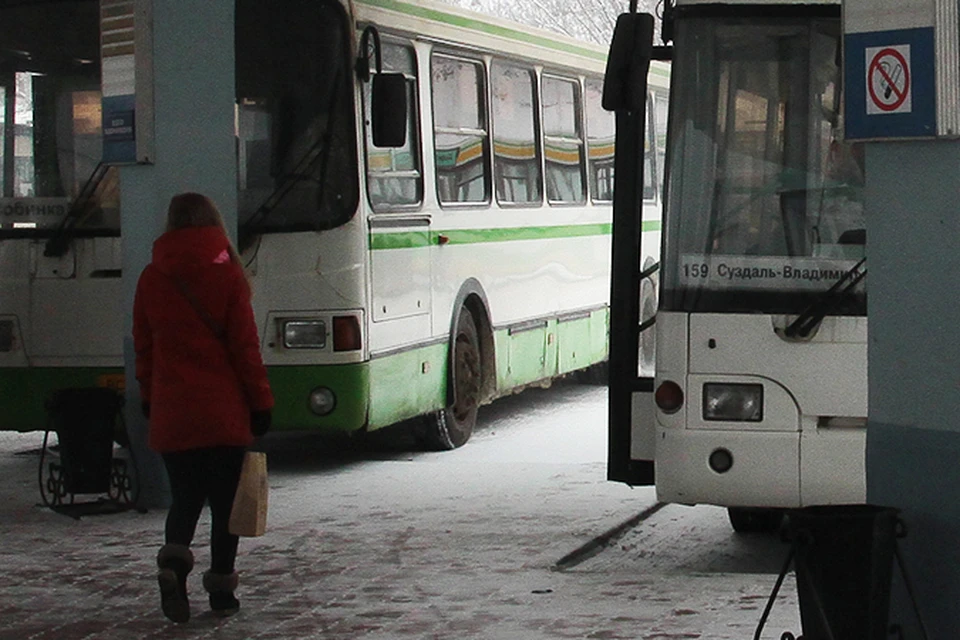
288 182
318 151
826 302
59 243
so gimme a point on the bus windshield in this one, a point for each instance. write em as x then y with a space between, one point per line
50 122
765 199
296 135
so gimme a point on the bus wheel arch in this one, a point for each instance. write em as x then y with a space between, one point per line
472 297
470 377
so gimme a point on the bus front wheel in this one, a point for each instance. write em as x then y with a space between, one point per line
451 426
748 520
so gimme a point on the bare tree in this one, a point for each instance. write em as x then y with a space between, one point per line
24 99
21 96
590 20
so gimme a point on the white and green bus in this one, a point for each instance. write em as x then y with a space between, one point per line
424 207
759 401
60 279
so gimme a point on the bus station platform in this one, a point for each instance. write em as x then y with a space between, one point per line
448 545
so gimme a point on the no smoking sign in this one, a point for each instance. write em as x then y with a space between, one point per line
888 80
892 93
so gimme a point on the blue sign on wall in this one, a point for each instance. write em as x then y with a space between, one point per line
889 82
119 130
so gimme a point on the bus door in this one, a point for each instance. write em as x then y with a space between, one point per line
400 232
632 434
400 266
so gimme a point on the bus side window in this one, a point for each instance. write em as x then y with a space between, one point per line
660 108
394 175
601 143
460 130
563 141
651 171
516 166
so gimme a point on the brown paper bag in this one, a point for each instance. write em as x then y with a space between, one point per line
249 514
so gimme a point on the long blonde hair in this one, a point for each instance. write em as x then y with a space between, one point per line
192 209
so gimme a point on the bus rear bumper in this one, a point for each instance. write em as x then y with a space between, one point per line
770 469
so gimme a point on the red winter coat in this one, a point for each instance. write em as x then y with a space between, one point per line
200 395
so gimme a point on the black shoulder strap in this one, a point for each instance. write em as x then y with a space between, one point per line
208 320
203 313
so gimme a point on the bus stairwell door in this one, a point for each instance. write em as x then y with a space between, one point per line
632 418
630 450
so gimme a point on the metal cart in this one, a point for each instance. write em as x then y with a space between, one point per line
87 421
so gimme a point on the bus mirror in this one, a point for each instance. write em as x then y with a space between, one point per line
388 113
625 79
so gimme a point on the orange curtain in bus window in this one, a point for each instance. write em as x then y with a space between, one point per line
86 113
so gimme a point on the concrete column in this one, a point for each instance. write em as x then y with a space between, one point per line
193 72
913 437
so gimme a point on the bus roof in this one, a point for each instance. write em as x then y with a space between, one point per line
436 20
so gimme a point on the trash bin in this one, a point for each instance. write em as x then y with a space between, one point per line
844 567
84 420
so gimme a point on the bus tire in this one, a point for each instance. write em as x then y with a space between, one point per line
451 426
752 520
648 339
596 374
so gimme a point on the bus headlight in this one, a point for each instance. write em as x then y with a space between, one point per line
6 335
733 402
322 401
304 334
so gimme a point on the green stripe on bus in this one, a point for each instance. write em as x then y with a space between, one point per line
402 240
415 239
485 27
476 236
659 71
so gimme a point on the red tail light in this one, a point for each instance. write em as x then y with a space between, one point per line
669 396
346 333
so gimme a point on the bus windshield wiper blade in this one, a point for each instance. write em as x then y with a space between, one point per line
287 183
301 171
58 244
319 151
828 300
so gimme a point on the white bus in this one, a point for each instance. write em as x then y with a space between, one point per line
60 315
422 276
759 401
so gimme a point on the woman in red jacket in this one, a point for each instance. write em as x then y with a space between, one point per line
204 390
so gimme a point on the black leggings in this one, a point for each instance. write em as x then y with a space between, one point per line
198 476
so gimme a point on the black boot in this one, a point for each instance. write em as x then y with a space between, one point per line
175 561
221 586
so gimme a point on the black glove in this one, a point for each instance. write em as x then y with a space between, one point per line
145 408
260 422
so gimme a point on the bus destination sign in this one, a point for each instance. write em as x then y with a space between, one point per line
762 272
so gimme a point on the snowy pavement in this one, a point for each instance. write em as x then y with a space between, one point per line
389 544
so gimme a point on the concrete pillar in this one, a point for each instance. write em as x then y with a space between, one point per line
913 437
193 73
